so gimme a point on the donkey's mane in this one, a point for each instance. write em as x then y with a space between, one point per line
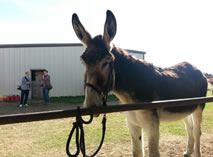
136 72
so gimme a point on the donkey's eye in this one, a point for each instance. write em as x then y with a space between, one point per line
104 65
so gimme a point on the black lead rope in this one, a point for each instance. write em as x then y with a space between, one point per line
78 125
79 139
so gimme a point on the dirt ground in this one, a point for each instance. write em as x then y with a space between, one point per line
170 145
13 108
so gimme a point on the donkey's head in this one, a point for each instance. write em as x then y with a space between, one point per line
97 59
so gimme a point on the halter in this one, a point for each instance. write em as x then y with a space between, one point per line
109 85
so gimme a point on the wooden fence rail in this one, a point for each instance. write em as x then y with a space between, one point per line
47 115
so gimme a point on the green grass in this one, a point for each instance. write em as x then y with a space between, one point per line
76 99
68 100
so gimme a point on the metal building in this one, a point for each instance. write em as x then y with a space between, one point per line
61 60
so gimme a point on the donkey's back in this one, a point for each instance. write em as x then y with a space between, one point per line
181 81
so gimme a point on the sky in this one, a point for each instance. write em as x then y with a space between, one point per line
169 31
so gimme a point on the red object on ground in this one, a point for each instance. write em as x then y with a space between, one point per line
1 99
17 98
10 98
13 98
6 98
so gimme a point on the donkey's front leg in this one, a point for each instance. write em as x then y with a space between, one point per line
135 132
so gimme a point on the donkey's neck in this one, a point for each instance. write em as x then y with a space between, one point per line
134 78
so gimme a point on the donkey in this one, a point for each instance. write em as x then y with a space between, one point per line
133 80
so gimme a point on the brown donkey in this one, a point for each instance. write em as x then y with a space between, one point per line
133 80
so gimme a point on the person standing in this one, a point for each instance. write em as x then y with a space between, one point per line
25 89
46 86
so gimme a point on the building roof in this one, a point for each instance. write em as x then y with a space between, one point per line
135 51
40 45
55 45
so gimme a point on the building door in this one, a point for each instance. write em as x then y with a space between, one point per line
36 84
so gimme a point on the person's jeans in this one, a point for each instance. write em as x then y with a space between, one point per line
46 95
24 96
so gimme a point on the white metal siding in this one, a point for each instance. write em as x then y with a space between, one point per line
63 64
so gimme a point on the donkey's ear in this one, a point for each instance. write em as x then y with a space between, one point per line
81 33
110 27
